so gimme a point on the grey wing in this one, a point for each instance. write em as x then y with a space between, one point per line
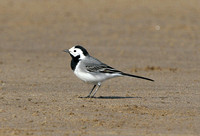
97 66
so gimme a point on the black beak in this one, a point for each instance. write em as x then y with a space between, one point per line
66 51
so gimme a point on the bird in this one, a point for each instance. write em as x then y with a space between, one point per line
92 70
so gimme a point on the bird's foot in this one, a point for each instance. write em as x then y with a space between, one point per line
85 97
92 96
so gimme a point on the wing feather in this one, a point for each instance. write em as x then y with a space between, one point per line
94 65
102 68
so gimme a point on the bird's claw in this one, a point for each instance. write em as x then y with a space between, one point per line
87 96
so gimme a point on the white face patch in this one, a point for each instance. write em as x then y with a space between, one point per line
76 52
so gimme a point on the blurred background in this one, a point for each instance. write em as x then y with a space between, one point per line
139 33
161 33
153 38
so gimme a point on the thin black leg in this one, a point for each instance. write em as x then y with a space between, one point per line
99 85
91 91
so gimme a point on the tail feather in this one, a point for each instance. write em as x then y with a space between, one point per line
126 74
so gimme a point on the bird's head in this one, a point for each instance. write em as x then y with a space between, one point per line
77 52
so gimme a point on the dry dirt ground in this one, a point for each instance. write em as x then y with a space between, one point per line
39 94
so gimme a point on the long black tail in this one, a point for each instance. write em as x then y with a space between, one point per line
125 74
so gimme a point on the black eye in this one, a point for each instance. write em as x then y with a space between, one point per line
74 50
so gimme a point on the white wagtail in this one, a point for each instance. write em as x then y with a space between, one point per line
91 70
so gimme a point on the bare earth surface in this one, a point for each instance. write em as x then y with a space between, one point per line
39 94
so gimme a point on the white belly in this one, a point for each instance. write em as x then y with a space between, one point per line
91 77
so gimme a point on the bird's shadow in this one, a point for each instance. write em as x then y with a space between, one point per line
112 97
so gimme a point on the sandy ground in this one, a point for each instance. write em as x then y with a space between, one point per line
157 39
